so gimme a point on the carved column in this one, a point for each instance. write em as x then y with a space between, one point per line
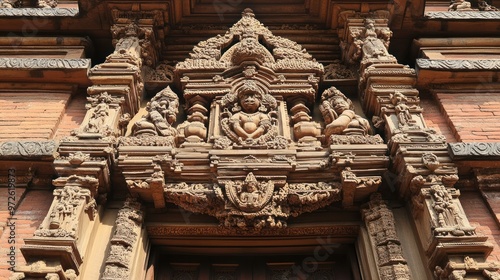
61 239
425 172
125 242
380 223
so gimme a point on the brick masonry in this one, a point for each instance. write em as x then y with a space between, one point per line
32 116
479 216
472 117
72 117
434 118
30 213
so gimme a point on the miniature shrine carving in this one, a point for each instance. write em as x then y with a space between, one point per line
69 201
447 217
249 126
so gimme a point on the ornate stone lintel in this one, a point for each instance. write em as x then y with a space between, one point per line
474 151
453 65
253 203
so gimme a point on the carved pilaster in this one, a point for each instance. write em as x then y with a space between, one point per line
124 242
66 225
379 221
120 76
194 129
102 118
425 172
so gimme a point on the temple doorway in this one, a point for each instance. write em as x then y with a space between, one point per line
319 263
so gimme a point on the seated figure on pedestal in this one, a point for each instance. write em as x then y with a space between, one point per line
162 113
373 47
251 125
339 116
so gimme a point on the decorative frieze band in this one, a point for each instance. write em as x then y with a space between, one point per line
44 63
28 149
481 64
39 12
475 150
463 15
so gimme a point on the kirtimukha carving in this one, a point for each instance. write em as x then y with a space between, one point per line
40 269
47 3
155 128
249 117
457 269
253 203
340 118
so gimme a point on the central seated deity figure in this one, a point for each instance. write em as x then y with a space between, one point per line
248 117
250 123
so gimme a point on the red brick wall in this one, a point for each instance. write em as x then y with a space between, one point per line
479 216
434 118
73 116
473 117
28 216
30 115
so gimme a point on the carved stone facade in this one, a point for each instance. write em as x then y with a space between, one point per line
277 146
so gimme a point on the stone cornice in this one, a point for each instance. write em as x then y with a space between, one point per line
481 64
39 12
44 63
464 15
474 150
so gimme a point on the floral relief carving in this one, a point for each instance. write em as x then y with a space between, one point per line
380 224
